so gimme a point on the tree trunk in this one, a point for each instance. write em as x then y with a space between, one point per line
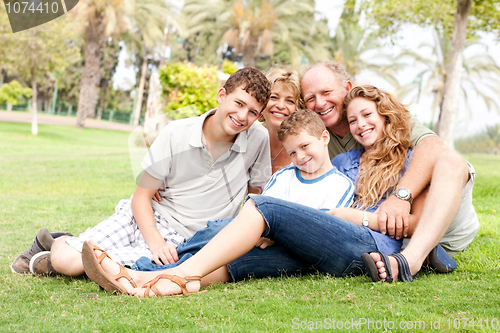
46 106
34 121
140 93
91 77
249 50
454 75
102 99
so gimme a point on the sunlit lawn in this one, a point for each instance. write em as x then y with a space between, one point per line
68 179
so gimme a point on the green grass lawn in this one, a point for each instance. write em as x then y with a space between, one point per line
68 179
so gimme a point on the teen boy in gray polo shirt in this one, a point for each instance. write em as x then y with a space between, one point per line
206 166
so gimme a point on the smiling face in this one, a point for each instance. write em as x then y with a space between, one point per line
281 104
365 123
237 111
324 94
309 153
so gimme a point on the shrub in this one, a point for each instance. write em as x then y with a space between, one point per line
189 85
229 67
12 92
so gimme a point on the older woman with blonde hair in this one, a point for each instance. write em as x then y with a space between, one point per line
284 100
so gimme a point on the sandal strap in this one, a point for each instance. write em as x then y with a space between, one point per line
123 274
404 268
103 254
387 265
180 281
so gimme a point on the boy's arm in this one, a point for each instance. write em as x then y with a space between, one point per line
163 253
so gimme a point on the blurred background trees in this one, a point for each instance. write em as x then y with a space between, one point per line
34 55
191 43
456 20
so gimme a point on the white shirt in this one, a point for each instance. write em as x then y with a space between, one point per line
331 190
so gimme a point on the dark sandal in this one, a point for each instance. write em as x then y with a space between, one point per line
94 271
440 261
180 281
404 270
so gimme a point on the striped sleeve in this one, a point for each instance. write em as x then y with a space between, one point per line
348 195
275 187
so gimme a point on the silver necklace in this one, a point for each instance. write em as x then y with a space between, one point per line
274 158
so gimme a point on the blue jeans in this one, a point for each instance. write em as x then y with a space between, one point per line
257 263
186 249
305 237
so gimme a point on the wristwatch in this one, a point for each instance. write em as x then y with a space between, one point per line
404 194
365 221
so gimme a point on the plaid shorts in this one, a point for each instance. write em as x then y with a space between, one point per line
121 238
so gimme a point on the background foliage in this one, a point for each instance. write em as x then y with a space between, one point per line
11 92
187 84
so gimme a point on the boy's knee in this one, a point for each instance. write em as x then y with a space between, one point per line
65 259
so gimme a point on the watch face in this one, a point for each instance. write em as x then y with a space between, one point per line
403 193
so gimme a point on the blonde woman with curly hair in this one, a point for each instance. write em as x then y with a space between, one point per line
381 125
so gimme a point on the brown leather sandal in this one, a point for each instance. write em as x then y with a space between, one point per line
94 271
180 281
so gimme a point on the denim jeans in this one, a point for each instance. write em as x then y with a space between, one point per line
305 237
257 263
186 249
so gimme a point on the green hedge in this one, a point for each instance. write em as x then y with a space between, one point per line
190 90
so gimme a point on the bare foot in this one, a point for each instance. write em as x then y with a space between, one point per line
382 273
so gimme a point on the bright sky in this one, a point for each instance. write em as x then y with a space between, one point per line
412 37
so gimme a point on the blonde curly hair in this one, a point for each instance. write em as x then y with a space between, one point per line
384 163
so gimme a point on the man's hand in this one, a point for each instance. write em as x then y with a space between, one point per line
264 242
394 217
166 254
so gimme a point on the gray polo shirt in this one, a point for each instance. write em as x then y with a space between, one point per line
197 189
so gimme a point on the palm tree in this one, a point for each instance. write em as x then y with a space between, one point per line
100 18
251 26
147 21
354 44
481 74
351 47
